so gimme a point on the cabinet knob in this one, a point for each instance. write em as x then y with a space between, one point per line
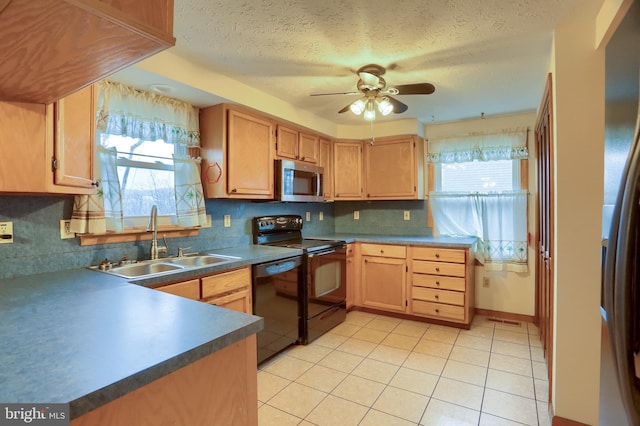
437 255
437 269
437 311
96 183
438 283
437 296
381 251
234 190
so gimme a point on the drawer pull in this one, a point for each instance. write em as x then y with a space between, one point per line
438 283
381 251
438 255
437 269
437 311
437 297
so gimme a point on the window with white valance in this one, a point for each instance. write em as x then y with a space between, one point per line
143 143
477 192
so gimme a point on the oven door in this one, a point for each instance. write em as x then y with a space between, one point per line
325 292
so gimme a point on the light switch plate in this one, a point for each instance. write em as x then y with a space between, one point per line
356 214
6 232
321 216
308 216
227 220
65 230
407 215
208 224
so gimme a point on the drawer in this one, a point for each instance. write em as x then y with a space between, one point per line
439 268
440 254
350 250
438 310
438 296
226 282
437 281
189 289
383 250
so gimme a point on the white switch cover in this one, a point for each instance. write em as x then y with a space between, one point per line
407 215
321 216
6 232
308 216
65 230
208 224
227 220
356 215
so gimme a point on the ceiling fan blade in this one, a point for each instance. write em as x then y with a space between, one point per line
414 89
398 107
345 109
335 93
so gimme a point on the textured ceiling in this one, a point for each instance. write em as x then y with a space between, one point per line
486 56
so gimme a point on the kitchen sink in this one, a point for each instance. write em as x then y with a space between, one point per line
202 260
143 269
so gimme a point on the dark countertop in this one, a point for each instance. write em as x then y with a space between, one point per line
85 337
452 242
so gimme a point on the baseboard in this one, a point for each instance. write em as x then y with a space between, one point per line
505 315
561 421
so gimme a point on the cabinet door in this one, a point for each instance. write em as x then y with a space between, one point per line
238 301
325 160
384 283
390 169
350 275
250 156
347 170
74 139
308 147
189 289
287 143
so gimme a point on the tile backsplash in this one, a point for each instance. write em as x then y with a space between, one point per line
37 246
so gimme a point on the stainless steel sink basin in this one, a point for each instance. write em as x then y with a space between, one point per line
135 270
202 260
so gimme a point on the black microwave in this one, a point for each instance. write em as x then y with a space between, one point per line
297 181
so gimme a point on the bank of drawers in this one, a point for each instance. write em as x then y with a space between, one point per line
439 285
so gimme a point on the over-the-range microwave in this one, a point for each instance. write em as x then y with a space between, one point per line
297 181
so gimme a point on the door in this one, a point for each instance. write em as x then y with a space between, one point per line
347 170
545 227
383 283
390 169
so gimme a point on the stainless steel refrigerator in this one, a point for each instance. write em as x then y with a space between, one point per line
620 359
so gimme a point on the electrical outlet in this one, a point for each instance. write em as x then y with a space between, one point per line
485 282
65 230
227 220
6 232
321 216
356 215
208 223
407 215
308 216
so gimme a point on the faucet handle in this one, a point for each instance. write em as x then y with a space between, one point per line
181 251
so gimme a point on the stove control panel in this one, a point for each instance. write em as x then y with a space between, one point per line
269 224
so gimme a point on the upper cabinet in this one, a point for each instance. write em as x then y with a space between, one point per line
347 170
237 150
393 168
297 145
48 149
53 48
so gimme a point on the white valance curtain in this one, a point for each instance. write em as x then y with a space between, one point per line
125 111
497 219
510 144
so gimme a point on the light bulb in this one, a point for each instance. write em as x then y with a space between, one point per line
370 111
384 106
357 107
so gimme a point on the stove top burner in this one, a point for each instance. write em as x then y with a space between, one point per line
286 231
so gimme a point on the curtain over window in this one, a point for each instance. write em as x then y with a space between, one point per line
497 218
149 120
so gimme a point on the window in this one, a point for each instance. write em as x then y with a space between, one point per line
146 175
478 176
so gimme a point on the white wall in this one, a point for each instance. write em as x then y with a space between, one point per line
508 291
578 102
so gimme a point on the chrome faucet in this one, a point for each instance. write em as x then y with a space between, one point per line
153 228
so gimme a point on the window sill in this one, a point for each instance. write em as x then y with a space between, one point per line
136 234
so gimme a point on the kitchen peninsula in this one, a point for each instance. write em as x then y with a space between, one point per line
120 353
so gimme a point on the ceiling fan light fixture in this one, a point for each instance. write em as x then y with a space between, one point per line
370 111
357 107
384 106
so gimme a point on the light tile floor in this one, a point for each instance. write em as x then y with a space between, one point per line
378 370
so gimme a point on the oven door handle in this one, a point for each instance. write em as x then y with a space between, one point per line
322 253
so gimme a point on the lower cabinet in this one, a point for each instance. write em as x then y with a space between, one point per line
229 289
384 276
351 275
428 282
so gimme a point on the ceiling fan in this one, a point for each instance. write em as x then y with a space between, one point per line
376 93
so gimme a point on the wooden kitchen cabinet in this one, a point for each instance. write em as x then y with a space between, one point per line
237 150
297 145
51 49
325 160
228 289
442 284
383 277
393 168
351 275
347 170
49 149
